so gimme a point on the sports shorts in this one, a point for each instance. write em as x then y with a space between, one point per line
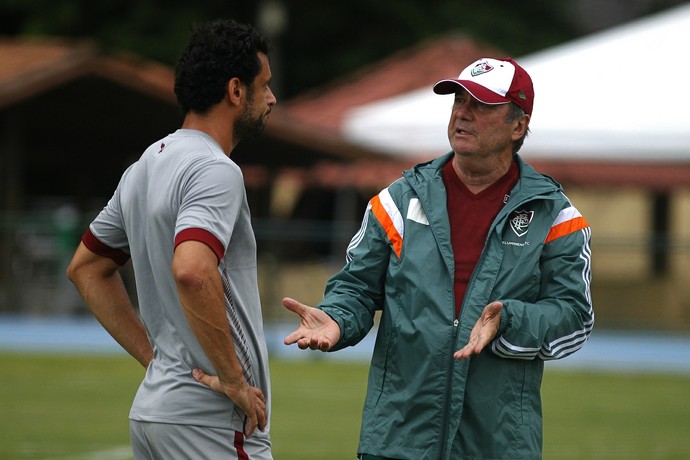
164 441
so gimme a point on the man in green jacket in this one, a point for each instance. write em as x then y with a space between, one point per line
480 267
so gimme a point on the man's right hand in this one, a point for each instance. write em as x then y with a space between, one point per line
316 330
248 398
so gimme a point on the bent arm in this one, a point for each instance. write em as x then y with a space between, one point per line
200 289
560 322
356 292
98 280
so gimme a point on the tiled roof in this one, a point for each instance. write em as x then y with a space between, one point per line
404 71
312 120
30 66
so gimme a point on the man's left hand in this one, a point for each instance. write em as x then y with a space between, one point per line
483 332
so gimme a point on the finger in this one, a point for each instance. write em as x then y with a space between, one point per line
210 381
469 349
294 338
250 424
262 418
463 353
261 421
479 346
201 377
304 343
290 339
317 343
294 306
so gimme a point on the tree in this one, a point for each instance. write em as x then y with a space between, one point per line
321 40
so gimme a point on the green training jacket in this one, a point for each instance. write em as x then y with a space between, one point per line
421 403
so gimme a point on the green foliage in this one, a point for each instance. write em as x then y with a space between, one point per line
326 37
58 407
322 40
155 29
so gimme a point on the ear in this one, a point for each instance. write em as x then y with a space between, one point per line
235 91
520 127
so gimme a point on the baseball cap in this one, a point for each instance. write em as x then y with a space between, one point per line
493 81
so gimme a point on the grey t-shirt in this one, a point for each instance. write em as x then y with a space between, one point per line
185 187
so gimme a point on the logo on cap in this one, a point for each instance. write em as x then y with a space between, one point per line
480 68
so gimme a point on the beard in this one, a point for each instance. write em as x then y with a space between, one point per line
248 124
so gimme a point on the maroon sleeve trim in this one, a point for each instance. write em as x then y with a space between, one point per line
96 246
203 236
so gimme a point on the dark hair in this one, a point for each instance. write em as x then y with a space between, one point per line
515 113
216 52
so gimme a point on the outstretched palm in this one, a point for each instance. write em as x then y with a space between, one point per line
316 330
483 331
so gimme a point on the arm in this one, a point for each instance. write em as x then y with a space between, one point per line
195 270
560 321
352 295
356 292
99 283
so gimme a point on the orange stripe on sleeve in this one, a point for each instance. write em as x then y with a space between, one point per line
566 228
387 223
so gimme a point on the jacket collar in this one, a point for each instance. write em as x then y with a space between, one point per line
530 182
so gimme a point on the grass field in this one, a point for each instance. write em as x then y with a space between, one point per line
62 407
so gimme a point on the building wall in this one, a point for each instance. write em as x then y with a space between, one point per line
626 292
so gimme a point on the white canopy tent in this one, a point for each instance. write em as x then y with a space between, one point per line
622 94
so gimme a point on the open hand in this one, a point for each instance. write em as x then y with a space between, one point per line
316 330
483 331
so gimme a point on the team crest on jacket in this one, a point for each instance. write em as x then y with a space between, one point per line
520 220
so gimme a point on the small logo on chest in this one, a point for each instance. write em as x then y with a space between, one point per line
519 222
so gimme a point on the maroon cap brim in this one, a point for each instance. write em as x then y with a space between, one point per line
477 91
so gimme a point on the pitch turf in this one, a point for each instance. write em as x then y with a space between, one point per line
75 407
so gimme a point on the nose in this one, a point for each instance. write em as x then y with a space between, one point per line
463 109
272 98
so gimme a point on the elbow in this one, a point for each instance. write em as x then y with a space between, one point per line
193 264
74 271
85 266
189 277
70 272
71 275
186 278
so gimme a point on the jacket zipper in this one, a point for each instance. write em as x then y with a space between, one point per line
456 323
448 396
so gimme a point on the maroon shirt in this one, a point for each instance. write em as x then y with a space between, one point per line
470 217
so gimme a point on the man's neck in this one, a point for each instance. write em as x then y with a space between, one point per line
479 175
214 127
